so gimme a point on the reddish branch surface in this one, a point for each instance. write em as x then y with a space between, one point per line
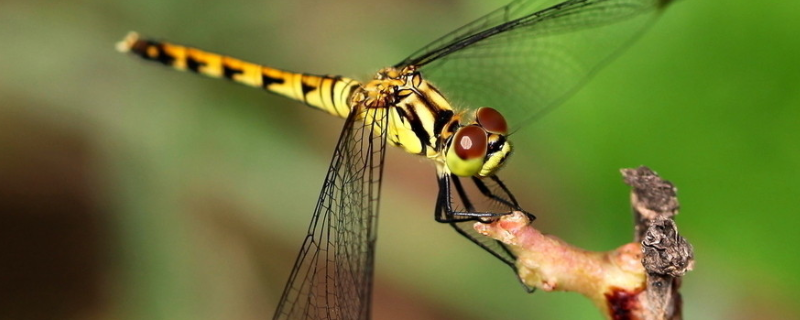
638 280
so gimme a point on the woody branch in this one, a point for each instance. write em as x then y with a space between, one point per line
638 280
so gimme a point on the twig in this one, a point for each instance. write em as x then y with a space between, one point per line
667 255
638 280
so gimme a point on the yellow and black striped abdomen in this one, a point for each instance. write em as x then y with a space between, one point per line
331 94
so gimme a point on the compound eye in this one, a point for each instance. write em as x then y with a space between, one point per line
491 120
470 143
467 151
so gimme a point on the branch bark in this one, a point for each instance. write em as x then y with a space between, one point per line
637 281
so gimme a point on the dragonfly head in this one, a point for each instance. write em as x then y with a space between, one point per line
479 147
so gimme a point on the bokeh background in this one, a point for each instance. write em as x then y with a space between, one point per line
130 191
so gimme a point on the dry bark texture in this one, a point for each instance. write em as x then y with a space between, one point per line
638 280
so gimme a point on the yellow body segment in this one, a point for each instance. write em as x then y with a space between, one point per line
418 113
328 93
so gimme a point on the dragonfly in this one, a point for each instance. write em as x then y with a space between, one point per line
516 64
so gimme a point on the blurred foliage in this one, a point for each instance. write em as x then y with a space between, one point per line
130 191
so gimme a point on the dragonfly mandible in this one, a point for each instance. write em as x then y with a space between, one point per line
517 62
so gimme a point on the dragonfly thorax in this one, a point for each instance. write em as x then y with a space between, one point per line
416 111
422 121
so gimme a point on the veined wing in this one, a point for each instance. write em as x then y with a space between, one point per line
528 56
332 277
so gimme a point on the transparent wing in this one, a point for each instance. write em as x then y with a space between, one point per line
332 277
527 57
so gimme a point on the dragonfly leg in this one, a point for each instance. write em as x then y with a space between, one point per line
509 200
445 211
463 221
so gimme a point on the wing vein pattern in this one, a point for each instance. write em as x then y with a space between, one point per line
527 57
332 277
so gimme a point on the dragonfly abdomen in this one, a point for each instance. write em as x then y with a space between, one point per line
328 93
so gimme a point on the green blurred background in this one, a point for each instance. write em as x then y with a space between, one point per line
130 191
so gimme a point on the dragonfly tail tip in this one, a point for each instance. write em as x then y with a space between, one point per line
126 44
